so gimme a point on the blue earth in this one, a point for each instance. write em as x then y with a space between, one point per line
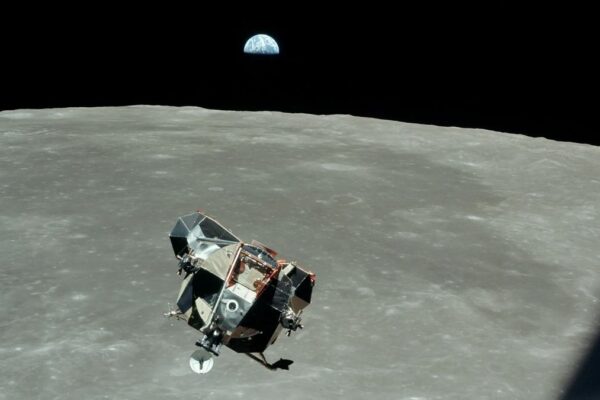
261 44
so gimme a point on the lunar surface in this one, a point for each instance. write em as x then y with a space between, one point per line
451 263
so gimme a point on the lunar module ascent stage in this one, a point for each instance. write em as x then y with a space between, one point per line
236 294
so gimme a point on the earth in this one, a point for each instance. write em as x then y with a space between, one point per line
261 44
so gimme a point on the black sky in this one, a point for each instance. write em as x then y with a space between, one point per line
499 66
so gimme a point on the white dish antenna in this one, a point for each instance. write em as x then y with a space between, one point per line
201 361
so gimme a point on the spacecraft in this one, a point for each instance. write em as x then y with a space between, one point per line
235 294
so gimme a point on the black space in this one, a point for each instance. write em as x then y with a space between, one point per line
501 67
